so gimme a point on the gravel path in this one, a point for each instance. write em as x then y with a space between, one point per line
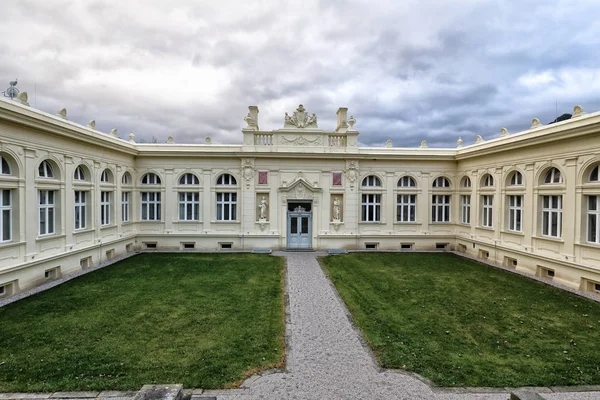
326 358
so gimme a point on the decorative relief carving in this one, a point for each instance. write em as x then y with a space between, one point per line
302 141
248 170
351 172
300 119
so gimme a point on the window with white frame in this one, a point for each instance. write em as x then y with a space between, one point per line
466 182
126 179
4 166
45 170
487 211
80 209
553 176
515 213
79 174
106 176
465 209
226 179
46 208
406 207
189 179
150 179
226 206
516 179
371 181
593 219
125 206
487 181
440 208
5 215
594 174
406 182
105 208
441 182
189 206
150 206
552 216
371 207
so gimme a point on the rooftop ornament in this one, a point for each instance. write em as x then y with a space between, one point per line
535 123
503 132
62 113
577 111
300 119
424 144
132 137
92 124
478 139
388 144
12 90
113 132
459 142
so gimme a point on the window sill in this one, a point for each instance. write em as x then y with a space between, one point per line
125 223
9 244
224 222
408 223
150 221
589 245
80 231
486 228
102 227
463 224
516 233
371 223
49 237
185 221
549 238
442 223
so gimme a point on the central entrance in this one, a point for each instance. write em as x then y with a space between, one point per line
299 225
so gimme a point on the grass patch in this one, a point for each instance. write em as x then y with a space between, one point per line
204 320
461 323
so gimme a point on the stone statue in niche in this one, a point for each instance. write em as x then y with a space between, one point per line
336 209
262 207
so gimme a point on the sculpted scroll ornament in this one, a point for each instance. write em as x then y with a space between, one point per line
301 141
248 170
300 119
352 172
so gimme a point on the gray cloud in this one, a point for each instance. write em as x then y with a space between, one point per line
407 71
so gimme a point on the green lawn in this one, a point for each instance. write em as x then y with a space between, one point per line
461 323
204 320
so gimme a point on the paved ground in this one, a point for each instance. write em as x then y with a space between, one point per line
326 358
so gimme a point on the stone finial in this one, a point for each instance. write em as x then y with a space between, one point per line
478 139
535 123
351 122
577 111
131 137
252 118
113 132
207 140
459 142
62 113
503 132
342 119
92 124
22 98
388 144
424 144
170 140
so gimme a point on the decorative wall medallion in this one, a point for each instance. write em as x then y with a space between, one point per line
262 226
300 119
351 172
248 170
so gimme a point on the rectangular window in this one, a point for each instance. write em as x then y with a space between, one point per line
226 206
515 213
406 207
552 216
125 206
487 211
46 212
189 206
104 208
150 206
465 209
371 207
80 209
593 217
440 208
5 215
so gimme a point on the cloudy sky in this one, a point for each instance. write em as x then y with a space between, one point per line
407 70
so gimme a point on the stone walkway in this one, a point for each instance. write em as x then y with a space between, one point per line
327 360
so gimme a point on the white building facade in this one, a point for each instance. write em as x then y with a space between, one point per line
72 197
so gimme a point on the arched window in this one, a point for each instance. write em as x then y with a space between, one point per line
406 181
516 179
45 170
126 178
371 181
441 182
150 179
553 176
189 179
4 166
106 176
79 174
466 182
487 181
594 174
226 179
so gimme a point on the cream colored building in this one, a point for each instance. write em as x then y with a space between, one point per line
73 197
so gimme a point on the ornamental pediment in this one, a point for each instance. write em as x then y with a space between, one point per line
299 189
300 119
